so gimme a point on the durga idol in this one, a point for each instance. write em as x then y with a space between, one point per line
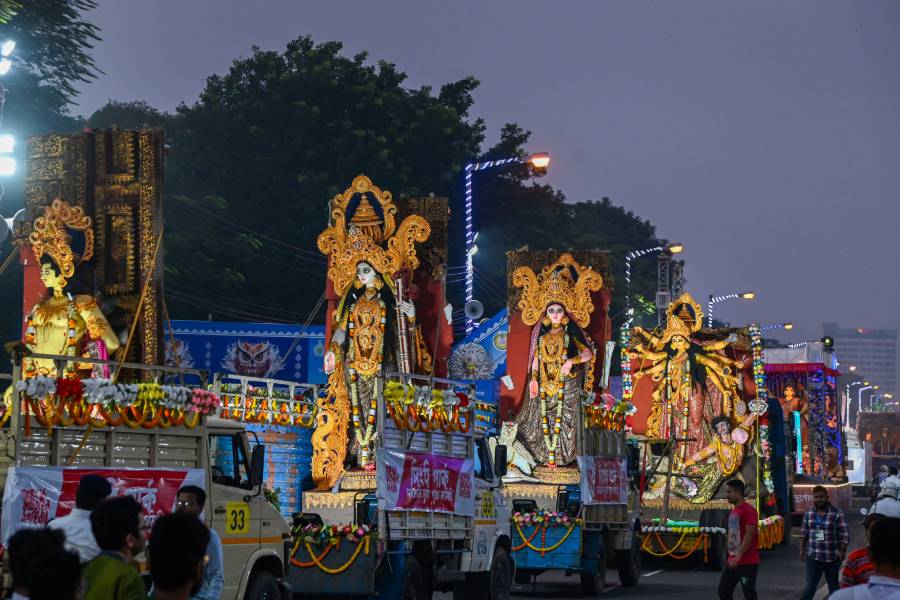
558 305
374 329
62 323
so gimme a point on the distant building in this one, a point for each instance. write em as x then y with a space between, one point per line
872 351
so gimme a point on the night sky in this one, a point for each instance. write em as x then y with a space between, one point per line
763 135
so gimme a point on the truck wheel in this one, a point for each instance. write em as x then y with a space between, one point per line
628 563
412 579
594 584
263 586
501 575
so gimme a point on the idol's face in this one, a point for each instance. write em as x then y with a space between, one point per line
679 343
365 273
724 431
555 312
49 277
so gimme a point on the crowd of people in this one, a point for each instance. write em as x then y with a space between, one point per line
91 553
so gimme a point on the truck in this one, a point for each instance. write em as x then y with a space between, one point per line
41 465
432 517
588 518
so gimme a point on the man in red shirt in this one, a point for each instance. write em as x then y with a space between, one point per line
743 549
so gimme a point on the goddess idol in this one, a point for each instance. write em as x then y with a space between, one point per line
557 304
373 327
63 323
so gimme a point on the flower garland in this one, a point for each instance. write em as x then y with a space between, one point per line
101 402
364 435
416 408
627 382
603 412
329 537
759 406
541 521
681 529
771 532
544 518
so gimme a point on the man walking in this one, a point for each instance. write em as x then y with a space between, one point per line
743 550
823 545
190 501
92 489
177 550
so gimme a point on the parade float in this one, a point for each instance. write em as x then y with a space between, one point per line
89 391
567 479
702 420
407 500
804 381
880 430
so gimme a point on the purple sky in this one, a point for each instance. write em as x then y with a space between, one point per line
765 135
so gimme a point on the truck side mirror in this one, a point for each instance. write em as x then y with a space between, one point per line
257 464
500 464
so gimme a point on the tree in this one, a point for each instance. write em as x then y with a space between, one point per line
254 161
130 115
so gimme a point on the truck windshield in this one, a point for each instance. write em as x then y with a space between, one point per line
228 460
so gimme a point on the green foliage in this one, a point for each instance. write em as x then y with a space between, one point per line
129 115
54 42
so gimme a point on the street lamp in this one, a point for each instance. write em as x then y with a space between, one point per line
866 386
847 412
671 248
732 296
539 160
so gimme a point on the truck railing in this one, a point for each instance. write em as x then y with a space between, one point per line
298 398
61 360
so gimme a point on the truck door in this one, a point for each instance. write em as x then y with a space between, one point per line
485 508
232 514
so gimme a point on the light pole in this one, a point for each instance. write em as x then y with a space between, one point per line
859 396
785 326
721 298
850 385
673 248
541 160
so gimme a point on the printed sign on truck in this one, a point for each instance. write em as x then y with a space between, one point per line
430 482
35 495
603 480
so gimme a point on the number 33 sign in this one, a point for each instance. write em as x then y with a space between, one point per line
237 518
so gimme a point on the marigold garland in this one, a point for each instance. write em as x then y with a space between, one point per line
414 408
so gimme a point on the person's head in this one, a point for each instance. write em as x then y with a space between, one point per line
883 546
820 496
177 553
556 314
59 576
190 501
870 520
118 525
735 490
890 488
26 549
789 392
892 470
884 469
722 427
51 274
92 489
366 273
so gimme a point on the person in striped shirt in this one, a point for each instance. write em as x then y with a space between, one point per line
859 565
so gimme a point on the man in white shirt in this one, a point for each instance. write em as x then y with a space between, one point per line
884 584
92 489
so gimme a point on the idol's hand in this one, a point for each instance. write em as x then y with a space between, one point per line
533 388
329 361
407 308
567 367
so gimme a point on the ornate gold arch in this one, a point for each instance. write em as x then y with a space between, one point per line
555 285
49 235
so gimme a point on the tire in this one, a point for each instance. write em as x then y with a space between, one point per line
718 552
493 585
628 563
594 584
263 586
412 580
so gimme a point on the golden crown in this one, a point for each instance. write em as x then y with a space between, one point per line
360 242
687 310
49 235
564 282
675 326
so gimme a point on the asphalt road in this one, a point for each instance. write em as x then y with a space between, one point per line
781 577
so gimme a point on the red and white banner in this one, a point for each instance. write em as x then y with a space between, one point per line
35 495
418 481
603 480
